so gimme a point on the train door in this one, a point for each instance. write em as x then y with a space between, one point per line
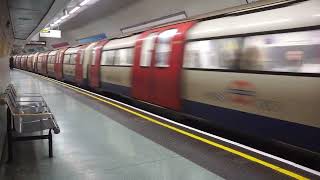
157 71
79 65
35 62
15 61
58 65
18 62
94 70
24 62
40 64
44 64
29 63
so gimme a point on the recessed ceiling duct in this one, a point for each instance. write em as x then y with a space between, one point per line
155 22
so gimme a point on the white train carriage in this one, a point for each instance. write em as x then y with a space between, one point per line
116 62
258 73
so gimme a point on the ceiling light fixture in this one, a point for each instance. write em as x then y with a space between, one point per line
65 16
74 10
84 2
58 21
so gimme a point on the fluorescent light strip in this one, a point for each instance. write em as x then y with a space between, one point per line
84 2
258 7
74 10
63 17
58 21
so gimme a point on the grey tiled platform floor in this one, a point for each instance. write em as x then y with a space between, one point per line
92 146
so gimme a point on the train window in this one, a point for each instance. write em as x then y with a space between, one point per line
60 58
57 59
147 49
93 57
117 57
285 52
164 47
213 54
73 58
130 53
49 59
123 57
52 59
82 57
191 58
66 59
108 57
197 54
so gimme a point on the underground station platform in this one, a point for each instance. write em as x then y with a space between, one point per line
102 138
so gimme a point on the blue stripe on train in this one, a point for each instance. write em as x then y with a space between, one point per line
260 126
114 88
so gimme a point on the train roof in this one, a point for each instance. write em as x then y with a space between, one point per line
299 15
44 53
54 52
91 45
121 43
72 50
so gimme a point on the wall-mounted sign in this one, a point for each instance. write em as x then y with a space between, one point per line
50 33
94 38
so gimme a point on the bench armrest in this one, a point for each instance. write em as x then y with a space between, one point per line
29 95
34 115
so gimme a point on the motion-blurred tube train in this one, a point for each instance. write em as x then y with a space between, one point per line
255 73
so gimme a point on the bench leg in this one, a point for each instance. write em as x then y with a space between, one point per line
9 135
50 144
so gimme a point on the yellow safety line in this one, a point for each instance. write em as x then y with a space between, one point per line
233 151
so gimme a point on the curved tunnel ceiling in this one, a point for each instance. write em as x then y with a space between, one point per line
26 15
99 9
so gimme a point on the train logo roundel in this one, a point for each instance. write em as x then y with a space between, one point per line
241 92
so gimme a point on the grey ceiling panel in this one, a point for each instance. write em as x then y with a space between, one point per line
26 15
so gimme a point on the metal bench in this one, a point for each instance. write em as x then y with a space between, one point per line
25 97
27 117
